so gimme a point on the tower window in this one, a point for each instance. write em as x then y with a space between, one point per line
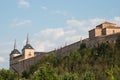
29 54
113 31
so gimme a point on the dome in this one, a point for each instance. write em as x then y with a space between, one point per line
15 51
27 46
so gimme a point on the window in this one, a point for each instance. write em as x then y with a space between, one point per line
113 31
29 54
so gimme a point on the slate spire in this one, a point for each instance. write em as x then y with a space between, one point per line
27 41
15 46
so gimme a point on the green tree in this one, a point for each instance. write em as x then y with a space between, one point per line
82 46
45 72
89 76
110 73
118 42
7 75
69 76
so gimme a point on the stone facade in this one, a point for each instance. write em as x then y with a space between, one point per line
102 33
103 29
16 57
20 66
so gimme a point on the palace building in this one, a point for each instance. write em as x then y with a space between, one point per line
21 61
103 29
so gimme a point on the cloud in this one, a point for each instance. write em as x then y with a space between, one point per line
49 38
6 43
42 46
21 23
64 13
116 20
55 12
74 22
2 59
44 8
53 38
23 4
72 38
56 33
96 21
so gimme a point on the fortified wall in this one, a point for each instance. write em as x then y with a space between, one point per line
102 33
19 67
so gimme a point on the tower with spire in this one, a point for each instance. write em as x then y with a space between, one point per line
16 56
28 50
15 52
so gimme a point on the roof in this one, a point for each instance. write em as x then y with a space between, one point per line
17 56
27 46
39 53
113 27
108 23
15 51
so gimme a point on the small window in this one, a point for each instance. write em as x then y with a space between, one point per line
113 31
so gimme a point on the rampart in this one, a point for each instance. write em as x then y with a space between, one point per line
64 51
19 67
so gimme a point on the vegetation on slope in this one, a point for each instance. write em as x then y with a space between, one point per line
97 63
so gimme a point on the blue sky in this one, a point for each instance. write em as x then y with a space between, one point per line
50 24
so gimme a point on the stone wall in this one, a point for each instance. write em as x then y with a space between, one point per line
95 32
25 64
64 51
95 41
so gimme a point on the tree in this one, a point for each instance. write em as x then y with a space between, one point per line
45 72
7 75
110 73
82 46
102 48
89 76
69 76
118 42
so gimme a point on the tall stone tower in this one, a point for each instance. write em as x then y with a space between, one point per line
17 59
28 50
14 53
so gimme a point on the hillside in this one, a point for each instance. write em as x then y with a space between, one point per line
97 63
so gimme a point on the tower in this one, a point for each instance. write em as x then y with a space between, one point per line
14 53
28 50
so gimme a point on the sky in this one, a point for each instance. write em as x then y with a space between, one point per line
51 24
